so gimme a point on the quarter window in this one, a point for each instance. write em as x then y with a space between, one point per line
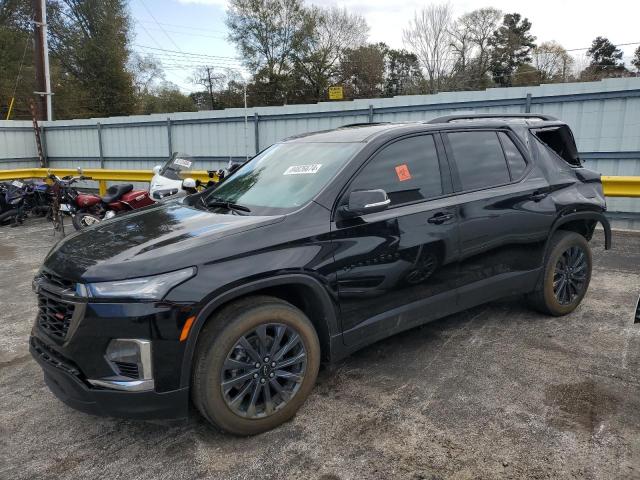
479 159
407 170
516 161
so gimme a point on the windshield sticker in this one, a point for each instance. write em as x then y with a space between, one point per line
403 172
302 169
182 162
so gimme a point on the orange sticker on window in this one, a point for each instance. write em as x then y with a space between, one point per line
403 172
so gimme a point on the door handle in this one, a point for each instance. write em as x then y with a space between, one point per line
440 217
537 196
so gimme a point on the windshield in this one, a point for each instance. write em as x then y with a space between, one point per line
177 167
284 177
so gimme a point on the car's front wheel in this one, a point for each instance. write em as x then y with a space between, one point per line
256 363
567 273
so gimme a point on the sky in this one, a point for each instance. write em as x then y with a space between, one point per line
195 30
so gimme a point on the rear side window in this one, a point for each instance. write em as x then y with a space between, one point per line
516 161
479 159
407 170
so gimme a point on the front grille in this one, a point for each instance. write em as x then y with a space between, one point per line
58 281
54 358
127 369
54 316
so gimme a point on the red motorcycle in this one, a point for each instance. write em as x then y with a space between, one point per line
120 198
87 209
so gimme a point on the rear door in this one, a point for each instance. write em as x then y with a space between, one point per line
505 213
395 268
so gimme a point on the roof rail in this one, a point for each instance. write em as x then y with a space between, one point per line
363 124
473 116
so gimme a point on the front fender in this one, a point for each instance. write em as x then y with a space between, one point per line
328 310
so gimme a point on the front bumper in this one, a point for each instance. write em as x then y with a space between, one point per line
70 339
65 382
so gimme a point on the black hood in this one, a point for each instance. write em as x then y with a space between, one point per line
151 241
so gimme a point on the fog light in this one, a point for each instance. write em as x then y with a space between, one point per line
130 360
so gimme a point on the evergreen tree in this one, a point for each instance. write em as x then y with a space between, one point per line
511 47
90 39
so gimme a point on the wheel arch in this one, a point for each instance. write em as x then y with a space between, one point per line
584 224
303 291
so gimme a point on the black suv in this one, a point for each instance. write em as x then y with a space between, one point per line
318 246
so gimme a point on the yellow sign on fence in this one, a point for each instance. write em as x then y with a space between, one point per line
335 93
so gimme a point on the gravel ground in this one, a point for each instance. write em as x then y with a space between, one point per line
494 392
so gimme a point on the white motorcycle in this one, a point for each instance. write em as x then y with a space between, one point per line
171 180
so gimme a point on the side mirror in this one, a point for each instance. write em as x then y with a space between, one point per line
362 202
188 183
156 169
79 170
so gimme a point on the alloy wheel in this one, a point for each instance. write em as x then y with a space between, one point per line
263 370
570 275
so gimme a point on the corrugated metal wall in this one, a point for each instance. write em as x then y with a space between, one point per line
605 117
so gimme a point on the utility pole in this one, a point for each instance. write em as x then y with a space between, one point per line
246 119
210 88
43 78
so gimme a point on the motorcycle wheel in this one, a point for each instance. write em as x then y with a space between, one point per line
7 216
83 220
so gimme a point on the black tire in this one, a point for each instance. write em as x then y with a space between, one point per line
219 344
562 289
82 220
8 216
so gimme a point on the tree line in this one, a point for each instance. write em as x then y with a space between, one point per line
294 52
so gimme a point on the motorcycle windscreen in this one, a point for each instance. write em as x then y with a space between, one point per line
177 167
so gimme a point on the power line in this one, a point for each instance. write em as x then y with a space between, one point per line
161 28
187 53
618 45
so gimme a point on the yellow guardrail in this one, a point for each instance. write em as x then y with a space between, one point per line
613 186
98 174
621 186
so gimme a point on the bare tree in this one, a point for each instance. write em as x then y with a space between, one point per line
211 80
462 44
552 61
481 24
429 35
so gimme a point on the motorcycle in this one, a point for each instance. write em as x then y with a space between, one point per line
88 209
12 203
171 180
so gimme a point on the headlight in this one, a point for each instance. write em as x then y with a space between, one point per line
143 288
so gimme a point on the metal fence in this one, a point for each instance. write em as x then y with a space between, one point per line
605 117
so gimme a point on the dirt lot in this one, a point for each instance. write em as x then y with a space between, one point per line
495 392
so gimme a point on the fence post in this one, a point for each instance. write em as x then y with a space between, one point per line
527 104
169 137
102 184
256 132
370 113
100 149
45 156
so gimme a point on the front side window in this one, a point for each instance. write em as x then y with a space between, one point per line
284 177
479 159
407 170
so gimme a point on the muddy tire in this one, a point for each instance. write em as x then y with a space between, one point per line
255 364
566 277
83 220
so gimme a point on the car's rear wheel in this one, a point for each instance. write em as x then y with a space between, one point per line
567 273
256 363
